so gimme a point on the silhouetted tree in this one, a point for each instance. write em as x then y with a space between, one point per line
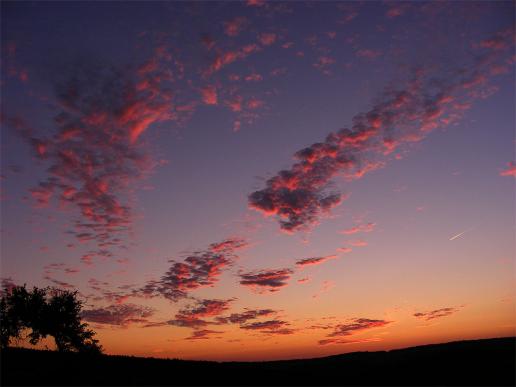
45 312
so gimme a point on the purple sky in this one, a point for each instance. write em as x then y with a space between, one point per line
362 136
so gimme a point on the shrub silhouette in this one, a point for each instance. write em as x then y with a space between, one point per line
45 312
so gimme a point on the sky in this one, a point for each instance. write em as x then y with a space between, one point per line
263 180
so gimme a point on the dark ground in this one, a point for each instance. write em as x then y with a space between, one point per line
489 362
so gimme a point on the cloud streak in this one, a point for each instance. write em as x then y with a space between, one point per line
368 227
314 261
404 113
437 313
271 327
244 317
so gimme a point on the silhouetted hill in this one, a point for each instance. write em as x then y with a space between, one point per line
487 362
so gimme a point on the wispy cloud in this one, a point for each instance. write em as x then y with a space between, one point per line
367 227
346 341
350 328
437 313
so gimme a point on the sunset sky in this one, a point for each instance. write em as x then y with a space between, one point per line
263 180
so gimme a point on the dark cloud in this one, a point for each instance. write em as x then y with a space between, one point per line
200 269
59 283
191 317
437 313
314 260
242 318
357 325
194 323
104 291
59 267
269 279
203 334
344 341
278 327
404 113
120 315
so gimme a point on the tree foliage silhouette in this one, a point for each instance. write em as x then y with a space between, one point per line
45 312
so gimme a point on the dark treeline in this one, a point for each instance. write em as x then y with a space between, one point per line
488 362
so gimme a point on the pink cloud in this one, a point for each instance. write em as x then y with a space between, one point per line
255 3
510 171
254 103
199 269
234 27
397 9
499 41
267 38
368 53
358 243
368 227
352 327
254 77
192 317
300 195
209 95
235 104
225 58
93 156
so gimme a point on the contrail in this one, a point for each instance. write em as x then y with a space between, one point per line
460 234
